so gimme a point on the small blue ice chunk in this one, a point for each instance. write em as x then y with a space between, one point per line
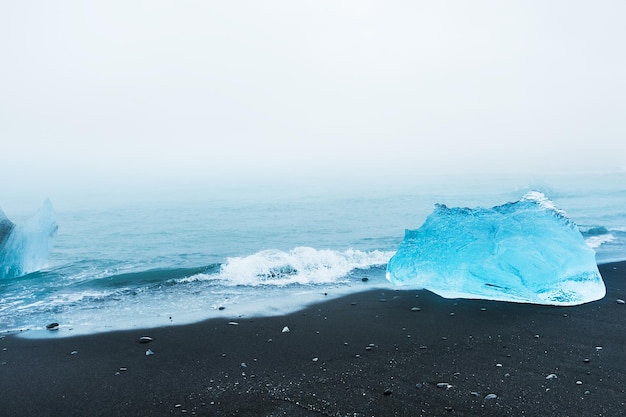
527 251
24 248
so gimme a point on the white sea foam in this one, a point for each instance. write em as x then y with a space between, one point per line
301 265
597 241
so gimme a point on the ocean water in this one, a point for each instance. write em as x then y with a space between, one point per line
155 258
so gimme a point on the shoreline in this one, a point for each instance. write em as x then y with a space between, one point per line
367 353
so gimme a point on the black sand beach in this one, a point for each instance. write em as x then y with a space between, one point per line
367 354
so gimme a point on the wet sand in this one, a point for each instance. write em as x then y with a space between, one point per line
367 354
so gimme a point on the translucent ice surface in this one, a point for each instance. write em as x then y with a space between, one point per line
527 251
24 248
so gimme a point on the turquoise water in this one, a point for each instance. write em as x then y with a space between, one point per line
156 258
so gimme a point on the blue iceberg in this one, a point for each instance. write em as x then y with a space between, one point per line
527 251
24 248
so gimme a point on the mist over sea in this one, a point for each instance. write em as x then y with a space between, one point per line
157 257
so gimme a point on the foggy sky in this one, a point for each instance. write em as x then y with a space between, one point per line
115 92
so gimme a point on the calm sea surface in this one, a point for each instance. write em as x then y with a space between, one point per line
170 258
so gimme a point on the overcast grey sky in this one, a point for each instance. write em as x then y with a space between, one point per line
141 92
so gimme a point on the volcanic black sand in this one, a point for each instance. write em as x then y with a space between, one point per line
368 354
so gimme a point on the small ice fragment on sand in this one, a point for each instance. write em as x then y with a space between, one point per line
286 329
551 376
52 326
620 301
149 352
145 339
444 385
491 397
74 352
579 382
233 323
